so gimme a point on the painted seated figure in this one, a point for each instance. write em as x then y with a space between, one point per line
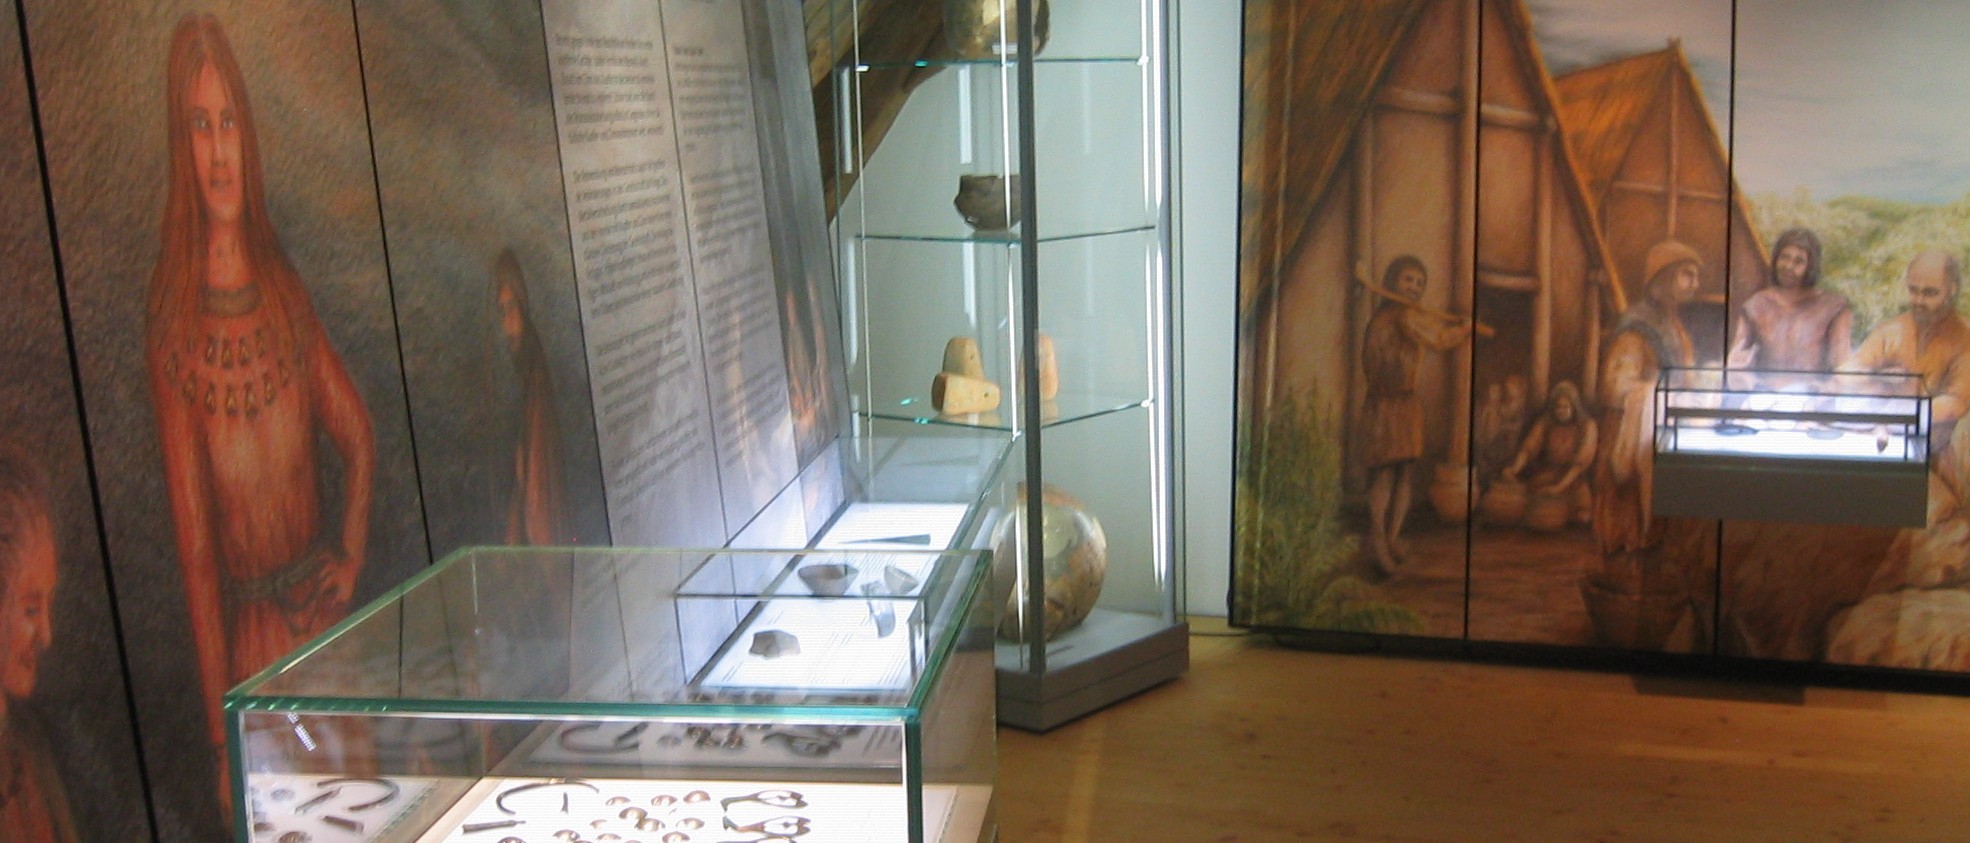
1548 475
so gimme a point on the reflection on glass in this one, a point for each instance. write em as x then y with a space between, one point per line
1786 414
511 693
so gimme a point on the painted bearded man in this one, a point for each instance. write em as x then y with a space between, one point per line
1793 325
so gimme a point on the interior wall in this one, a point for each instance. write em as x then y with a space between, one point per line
1207 264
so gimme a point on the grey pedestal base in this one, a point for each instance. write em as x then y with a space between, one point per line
1039 702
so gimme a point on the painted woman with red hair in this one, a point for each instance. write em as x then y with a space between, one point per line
244 381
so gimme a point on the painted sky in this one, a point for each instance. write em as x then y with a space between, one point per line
1840 97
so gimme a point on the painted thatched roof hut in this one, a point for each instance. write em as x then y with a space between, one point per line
1371 131
1657 168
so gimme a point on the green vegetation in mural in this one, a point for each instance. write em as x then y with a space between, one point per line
1867 243
1293 550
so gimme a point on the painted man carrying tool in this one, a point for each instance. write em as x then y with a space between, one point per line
1392 417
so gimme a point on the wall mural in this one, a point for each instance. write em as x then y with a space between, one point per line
68 757
1865 194
467 166
1505 218
290 237
216 208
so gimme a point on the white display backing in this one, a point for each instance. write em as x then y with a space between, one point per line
839 649
285 804
864 526
834 813
1766 442
859 746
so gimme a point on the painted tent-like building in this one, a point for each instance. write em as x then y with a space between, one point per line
1653 162
1377 133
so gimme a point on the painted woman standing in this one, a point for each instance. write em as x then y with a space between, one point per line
243 380
537 512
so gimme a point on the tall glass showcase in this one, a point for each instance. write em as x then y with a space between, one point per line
1005 270
544 695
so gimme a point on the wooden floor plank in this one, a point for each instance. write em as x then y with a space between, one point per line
1263 743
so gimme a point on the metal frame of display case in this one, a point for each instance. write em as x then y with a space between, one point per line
553 693
1044 682
1802 473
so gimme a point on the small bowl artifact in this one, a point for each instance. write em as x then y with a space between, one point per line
828 580
988 203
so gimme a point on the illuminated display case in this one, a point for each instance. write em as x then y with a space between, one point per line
1005 269
1840 448
547 695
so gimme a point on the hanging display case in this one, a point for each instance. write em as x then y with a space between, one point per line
542 695
1006 269
1815 447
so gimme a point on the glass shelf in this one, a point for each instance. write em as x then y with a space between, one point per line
994 62
1066 410
1100 173
1006 238
1082 295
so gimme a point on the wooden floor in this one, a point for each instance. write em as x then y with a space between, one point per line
1264 743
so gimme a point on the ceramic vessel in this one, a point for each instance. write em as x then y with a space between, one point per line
1450 493
1503 504
989 203
828 580
1548 512
1076 562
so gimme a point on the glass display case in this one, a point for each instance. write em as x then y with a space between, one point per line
1005 268
549 695
1815 447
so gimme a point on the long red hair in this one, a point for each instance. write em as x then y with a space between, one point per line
178 282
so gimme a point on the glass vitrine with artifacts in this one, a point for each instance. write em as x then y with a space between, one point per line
1816 447
542 695
1005 269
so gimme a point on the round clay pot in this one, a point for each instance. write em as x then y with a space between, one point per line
1503 504
1547 512
988 203
1450 492
1075 565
